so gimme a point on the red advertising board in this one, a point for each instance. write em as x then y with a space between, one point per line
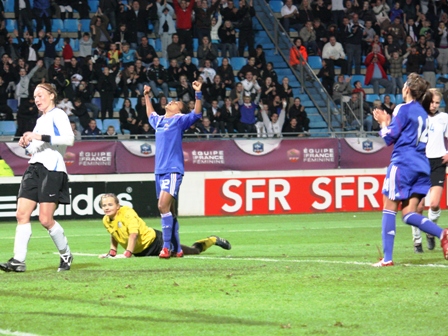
292 195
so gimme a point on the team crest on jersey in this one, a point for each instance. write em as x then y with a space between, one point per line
119 225
258 147
367 145
146 149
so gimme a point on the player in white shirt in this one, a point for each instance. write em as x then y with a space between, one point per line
45 181
438 158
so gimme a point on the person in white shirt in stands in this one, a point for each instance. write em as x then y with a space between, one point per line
45 181
290 13
250 85
333 53
274 125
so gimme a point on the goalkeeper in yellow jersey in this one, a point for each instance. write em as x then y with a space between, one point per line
127 229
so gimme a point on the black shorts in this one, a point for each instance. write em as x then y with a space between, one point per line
44 186
438 172
154 249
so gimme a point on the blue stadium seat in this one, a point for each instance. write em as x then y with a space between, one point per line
219 60
315 62
276 6
111 122
399 99
9 6
8 127
372 97
118 104
151 42
237 63
158 46
195 61
195 44
134 101
360 78
10 25
164 62
307 103
71 25
12 103
74 43
85 25
57 24
97 101
99 124
392 98
60 45
93 4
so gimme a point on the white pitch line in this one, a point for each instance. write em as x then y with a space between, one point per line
320 261
15 333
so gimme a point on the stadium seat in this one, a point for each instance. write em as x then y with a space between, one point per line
10 25
99 124
237 63
60 45
219 60
85 25
276 6
71 25
93 4
372 97
74 43
315 62
111 122
57 24
399 99
9 6
392 98
8 127
360 78
195 61
158 46
12 103
134 101
195 44
97 101
164 62
118 104
307 103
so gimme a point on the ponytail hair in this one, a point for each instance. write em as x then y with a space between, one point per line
417 85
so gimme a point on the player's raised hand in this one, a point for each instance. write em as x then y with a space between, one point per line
197 85
146 90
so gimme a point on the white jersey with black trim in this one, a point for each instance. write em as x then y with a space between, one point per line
54 123
438 131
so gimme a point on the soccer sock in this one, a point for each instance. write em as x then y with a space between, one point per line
175 239
167 229
434 215
23 235
388 233
417 235
423 224
59 238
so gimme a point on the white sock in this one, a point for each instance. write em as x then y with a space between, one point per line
434 215
417 235
23 235
59 239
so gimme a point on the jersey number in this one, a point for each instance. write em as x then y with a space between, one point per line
422 135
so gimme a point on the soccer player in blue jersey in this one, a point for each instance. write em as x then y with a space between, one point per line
408 175
169 166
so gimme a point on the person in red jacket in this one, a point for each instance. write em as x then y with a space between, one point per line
375 74
295 52
183 11
67 51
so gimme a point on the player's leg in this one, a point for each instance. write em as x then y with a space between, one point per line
416 233
164 204
175 238
434 210
202 245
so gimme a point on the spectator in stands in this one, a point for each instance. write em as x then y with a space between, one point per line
203 15
190 70
387 105
308 36
98 28
217 90
358 89
184 91
415 61
85 44
184 12
292 129
29 49
441 43
270 72
174 72
268 91
249 67
322 12
367 37
153 17
353 48
27 114
128 117
298 54
246 33
158 78
260 59
274 123
50 48
137 22
207 51
42 15
412 27
333 53
227 35
111 134
67 51
356 114
381 11
327 76
9 78
76 133
114 53
248 110
167 28
338 12
321 34
216 119
93 132
341 88
305 13
161 105
23 16
225 70
40 76
176 50
65 8
231 115
109 8
429 67
396 69
375 73
12 49
251 86
297 112
128 55
145 52
129 82
229 13
396 30
73 68
122 35
106 88
207 72
290 15
22 88
80 111
285 90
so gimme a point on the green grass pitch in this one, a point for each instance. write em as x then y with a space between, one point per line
285 275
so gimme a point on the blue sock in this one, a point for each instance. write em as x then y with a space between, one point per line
388 233
423 224
175 239
167 229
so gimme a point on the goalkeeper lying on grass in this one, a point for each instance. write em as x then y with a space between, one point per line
130 231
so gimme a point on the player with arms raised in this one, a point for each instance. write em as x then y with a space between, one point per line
169 166
408 175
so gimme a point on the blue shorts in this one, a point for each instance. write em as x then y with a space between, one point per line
400 183
169 182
